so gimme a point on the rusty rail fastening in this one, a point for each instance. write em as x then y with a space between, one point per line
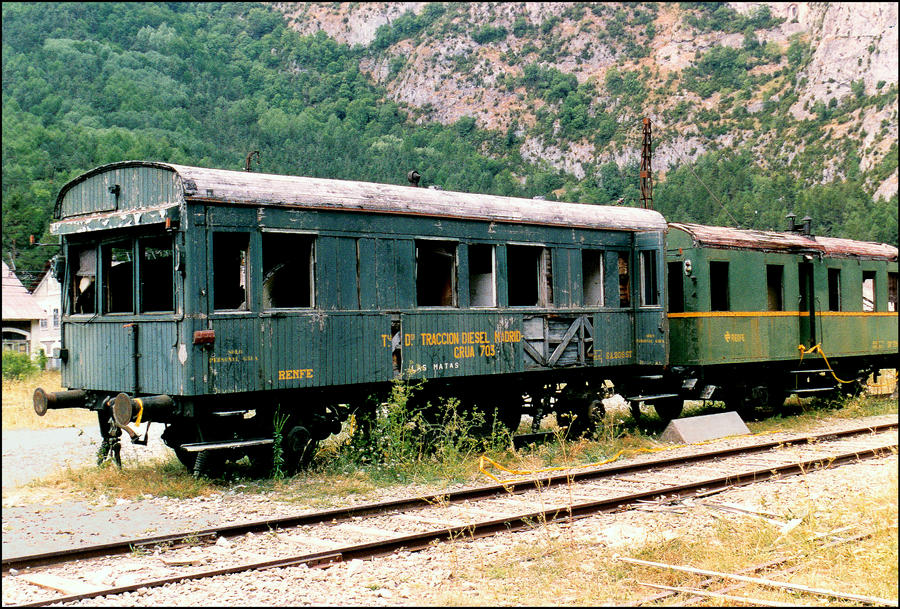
520 486
421 541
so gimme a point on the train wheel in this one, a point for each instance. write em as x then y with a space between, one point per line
300 448
207 464
177 434
574 411
669 408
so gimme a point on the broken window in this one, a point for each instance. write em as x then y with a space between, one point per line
775 287
288 271
649 280
592 277
231 257
528 276
868 290
676 287
834 289
157 272
118 277
435 274
482 285
624 281
84 280
718 286
892 292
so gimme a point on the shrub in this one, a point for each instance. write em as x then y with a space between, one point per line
17 366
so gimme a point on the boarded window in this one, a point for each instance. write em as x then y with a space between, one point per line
231 256
528 275
868 290
649 279
157 273
676 287
482 284
592 277
435 274
624 281
84 279
834 289
892 291
775 287
718 286
288 271
118 277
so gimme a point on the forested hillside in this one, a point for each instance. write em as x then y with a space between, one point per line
204 84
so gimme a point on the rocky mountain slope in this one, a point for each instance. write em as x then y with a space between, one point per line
811 88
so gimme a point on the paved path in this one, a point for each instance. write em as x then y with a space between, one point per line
29 454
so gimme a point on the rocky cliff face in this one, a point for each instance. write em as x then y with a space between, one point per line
443 72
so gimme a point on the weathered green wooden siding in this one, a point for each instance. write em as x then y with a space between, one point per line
139 187
101 357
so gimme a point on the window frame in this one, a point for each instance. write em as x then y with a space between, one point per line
493 273
105 272
600 255
313 293
649 279
543 275
140 243
454 271
248 275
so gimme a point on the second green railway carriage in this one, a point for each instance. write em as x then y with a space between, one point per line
203 298
755 316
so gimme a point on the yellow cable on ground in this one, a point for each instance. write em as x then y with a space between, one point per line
818 348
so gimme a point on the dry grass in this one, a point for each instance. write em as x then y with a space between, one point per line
157 478
18 408
561 568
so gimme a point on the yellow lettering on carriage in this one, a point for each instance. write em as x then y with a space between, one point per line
296 374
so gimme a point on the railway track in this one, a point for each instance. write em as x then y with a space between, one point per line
373 529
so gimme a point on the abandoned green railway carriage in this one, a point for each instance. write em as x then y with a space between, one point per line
211 292
745 305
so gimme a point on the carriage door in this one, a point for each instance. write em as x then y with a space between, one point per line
807 305
650 325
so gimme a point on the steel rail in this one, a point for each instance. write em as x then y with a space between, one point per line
344 513
420 541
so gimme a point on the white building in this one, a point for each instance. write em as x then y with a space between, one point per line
47 294
22 316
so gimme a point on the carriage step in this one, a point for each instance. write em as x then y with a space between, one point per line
650 398
201 446
808 371
810 390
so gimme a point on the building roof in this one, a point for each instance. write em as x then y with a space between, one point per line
261 189
721 236
18 304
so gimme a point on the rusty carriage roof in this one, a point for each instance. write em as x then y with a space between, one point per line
771 241
197 184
